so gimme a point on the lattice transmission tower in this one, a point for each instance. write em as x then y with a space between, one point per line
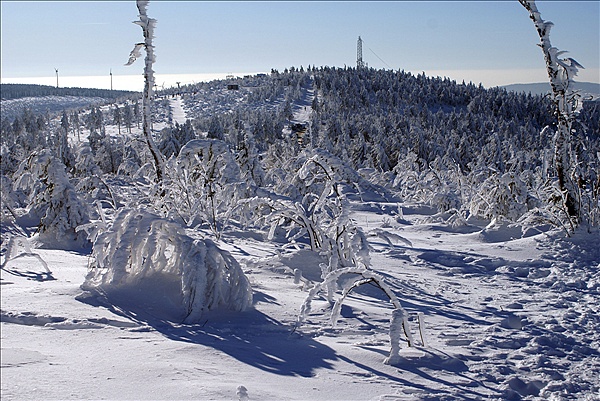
359 61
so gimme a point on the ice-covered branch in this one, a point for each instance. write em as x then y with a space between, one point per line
147 24
399 322
566 101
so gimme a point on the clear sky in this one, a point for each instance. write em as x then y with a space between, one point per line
493 42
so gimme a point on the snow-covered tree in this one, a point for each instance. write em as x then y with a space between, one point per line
320 211
561 72
503 195
76 124
52 200
148 24
249 161
117 118
8 199
88 177
61 143
136 113
127 117
64 122
203 184
154 259
10 157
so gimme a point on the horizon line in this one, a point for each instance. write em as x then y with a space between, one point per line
135 82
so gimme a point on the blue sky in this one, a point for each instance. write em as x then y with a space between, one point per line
483 41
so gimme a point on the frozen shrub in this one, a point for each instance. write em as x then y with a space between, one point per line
18 247
438 184
501 196
203 184
552 211
399 326
152 258
88 177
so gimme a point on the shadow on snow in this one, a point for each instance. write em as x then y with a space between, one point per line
251 337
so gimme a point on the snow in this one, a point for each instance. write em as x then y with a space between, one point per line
302 109
144 256
179 115
493 311
503 319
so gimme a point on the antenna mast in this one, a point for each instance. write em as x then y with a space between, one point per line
56 69
359 61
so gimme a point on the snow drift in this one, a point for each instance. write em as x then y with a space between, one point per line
158 265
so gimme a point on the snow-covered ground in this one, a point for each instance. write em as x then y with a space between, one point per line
503 319
177 110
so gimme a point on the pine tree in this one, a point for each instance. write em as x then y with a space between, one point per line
76 124
117 118
62 144
53 200
127 117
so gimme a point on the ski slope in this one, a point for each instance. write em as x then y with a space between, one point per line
177 110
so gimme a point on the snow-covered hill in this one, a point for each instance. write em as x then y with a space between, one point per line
42 99
46 104
586 89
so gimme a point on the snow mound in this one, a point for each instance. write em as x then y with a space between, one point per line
148 262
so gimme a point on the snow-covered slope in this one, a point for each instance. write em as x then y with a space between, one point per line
52 104
503 319
587 89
